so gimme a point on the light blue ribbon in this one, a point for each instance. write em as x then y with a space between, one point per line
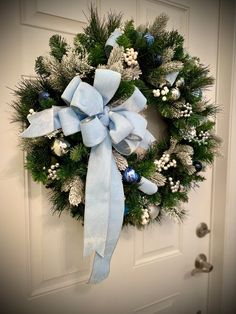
102 127
171 77
111 41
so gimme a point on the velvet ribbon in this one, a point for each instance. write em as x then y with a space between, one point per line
102 127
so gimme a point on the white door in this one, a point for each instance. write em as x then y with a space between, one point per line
42 266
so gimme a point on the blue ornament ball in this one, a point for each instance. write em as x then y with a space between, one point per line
43 95
197 165
149 39
157 60
130 176
126 211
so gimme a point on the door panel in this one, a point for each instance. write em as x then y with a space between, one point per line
150 270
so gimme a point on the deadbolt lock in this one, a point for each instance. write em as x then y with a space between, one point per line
202 230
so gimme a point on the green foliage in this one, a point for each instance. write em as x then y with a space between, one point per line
59 200
91 43
96 30
58 47
38 158
40 68
125 90
97 55
27 98
78 152
113 21
48 103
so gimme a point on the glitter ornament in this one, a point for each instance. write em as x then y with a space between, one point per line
153 211
149 39
60 147
175 93
126 211
197 165
43 95
130 176
157 60
197 93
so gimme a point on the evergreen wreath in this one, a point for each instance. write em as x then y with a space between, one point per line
148 59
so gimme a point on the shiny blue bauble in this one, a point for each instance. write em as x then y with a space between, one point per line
130 176
149 39
197 93
126 211
43 95
197 165
157 60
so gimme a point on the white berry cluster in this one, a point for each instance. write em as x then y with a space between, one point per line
165 163
131 56
187 110
161 92
191 134
145 217
31 112
203 137
174 186
200 138
52 172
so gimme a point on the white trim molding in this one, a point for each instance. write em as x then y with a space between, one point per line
229 270
221 167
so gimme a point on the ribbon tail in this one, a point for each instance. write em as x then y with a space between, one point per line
97 198
147 187
101 266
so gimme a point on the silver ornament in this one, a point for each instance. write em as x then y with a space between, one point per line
153 211
60 147
197 93
175 93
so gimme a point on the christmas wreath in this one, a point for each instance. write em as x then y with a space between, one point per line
86 136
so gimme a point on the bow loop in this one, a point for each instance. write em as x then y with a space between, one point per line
139 125
70 89
69 120
106 83
43 123
93 131
120 127
87 99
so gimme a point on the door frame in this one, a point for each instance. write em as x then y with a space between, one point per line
221 170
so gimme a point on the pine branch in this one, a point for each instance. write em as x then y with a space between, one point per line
96 29
58 47
113 21
158 27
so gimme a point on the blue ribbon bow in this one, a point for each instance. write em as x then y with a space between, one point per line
102 127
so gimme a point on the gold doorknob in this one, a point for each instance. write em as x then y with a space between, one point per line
201 265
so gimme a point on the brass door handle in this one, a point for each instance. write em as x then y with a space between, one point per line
201 265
